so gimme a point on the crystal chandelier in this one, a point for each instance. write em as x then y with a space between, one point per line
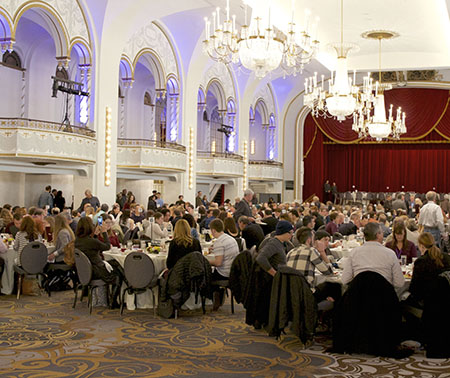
259 46
341 99
377 125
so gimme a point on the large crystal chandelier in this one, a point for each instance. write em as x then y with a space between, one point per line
259 45
341 99
378 126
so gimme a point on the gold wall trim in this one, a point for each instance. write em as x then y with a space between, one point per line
61 133
161 169
402 142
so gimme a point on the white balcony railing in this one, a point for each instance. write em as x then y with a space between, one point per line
28 138
151 154
265 170
219 164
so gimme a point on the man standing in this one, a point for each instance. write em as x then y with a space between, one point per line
431 219
243 207
373 256
198 199
90 199
46 198
334 192
327 191
399 203
159 200
180 200
225 249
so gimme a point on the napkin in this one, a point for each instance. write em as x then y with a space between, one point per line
108 267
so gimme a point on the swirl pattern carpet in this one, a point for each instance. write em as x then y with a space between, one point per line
43 337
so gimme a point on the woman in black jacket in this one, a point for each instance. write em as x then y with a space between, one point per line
182 243
93 248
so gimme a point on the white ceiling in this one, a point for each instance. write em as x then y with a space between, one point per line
423 25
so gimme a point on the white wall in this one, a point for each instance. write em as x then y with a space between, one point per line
10 92
141 189
12 188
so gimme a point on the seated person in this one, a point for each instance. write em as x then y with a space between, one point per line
137 214
230 229
225 249
14 226
308 257
110 272
27 233
373 256
182 243
426 269
113 238
252 233
271 255
63 236
351 228
155 230
400 243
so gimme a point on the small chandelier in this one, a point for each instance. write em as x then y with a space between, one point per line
377 125
259 45
341 99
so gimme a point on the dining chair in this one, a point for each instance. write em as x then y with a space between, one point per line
140 275
84 272
32 262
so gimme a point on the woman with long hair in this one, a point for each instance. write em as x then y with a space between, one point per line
400 244
5 218
191 220
27 234
59 201
131 199
182 243
62 235
231 229
427 268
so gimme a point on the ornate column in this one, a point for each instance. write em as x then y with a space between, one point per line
122 117
88 86
173 106
23 95
231 144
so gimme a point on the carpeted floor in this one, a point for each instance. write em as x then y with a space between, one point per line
44 337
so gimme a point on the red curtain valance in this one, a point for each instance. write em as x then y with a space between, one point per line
426 110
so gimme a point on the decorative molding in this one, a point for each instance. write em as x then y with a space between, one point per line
217 166
221 72
151 36
265 94
158 158
69 12
265 172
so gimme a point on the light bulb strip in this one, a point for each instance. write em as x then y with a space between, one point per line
191 158
245 165
108 141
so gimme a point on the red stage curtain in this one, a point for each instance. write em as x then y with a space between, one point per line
419 163
425 109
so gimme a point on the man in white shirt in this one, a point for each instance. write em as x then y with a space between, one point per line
373 256
225 249
431 219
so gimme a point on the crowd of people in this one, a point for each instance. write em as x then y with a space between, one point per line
297 235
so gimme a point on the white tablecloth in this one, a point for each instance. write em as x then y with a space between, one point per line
8 270
145 300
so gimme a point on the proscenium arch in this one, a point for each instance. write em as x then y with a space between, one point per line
56 26
83 50
216 87
154 65
261 107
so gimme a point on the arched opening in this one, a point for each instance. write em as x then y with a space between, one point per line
259 132
39 39
213 130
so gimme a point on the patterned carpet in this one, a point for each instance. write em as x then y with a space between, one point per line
43 337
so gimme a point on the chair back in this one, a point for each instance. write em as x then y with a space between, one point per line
139 270
84 267
34 257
